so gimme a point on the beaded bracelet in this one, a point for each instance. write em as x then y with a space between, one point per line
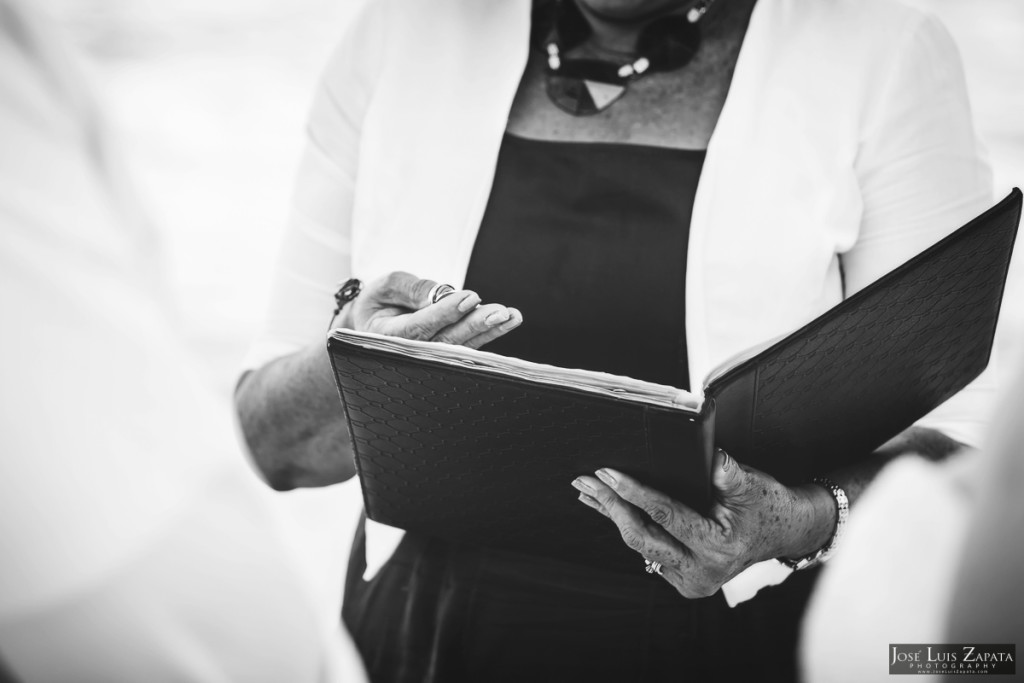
842 512
347 290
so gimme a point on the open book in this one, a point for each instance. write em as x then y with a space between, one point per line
480 448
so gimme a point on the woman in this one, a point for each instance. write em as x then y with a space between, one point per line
465 142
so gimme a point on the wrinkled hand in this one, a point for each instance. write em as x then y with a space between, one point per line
397 305
753 518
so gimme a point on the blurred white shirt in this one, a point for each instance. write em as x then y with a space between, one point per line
136 544
933 555
892 579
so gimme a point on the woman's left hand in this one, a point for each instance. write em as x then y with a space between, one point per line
753 518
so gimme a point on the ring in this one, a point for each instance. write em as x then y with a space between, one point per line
438 292
653 567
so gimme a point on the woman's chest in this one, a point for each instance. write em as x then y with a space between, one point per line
677 109
776 196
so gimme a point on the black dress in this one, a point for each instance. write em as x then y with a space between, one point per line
589 241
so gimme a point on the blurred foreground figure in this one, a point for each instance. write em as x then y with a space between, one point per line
135 545
935 556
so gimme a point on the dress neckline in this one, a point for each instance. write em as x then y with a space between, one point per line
600 145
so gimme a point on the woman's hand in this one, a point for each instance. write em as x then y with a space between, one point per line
398 305
753 518
288 409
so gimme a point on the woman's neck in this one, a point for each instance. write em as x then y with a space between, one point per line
620 34
616 34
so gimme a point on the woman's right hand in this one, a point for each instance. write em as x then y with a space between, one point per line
398 305
288 409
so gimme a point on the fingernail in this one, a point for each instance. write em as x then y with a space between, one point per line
587 500
497 317
512 323
581 485
469 302
607 477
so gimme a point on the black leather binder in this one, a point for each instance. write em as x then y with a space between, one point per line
472 454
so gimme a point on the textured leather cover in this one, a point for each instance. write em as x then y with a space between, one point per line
864 371
478 458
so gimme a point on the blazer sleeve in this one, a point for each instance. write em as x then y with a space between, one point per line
315 253
922 174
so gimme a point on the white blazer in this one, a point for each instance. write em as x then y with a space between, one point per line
845 147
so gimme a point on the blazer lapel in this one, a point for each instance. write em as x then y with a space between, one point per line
432 134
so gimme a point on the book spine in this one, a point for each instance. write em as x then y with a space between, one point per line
707 420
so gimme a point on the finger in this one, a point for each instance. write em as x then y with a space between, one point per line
678 563
681 521
637 532
479 321
514 321
592 502
727 477
425 323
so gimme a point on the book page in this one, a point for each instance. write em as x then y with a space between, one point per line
617 386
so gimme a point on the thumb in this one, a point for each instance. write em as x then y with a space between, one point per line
727 477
